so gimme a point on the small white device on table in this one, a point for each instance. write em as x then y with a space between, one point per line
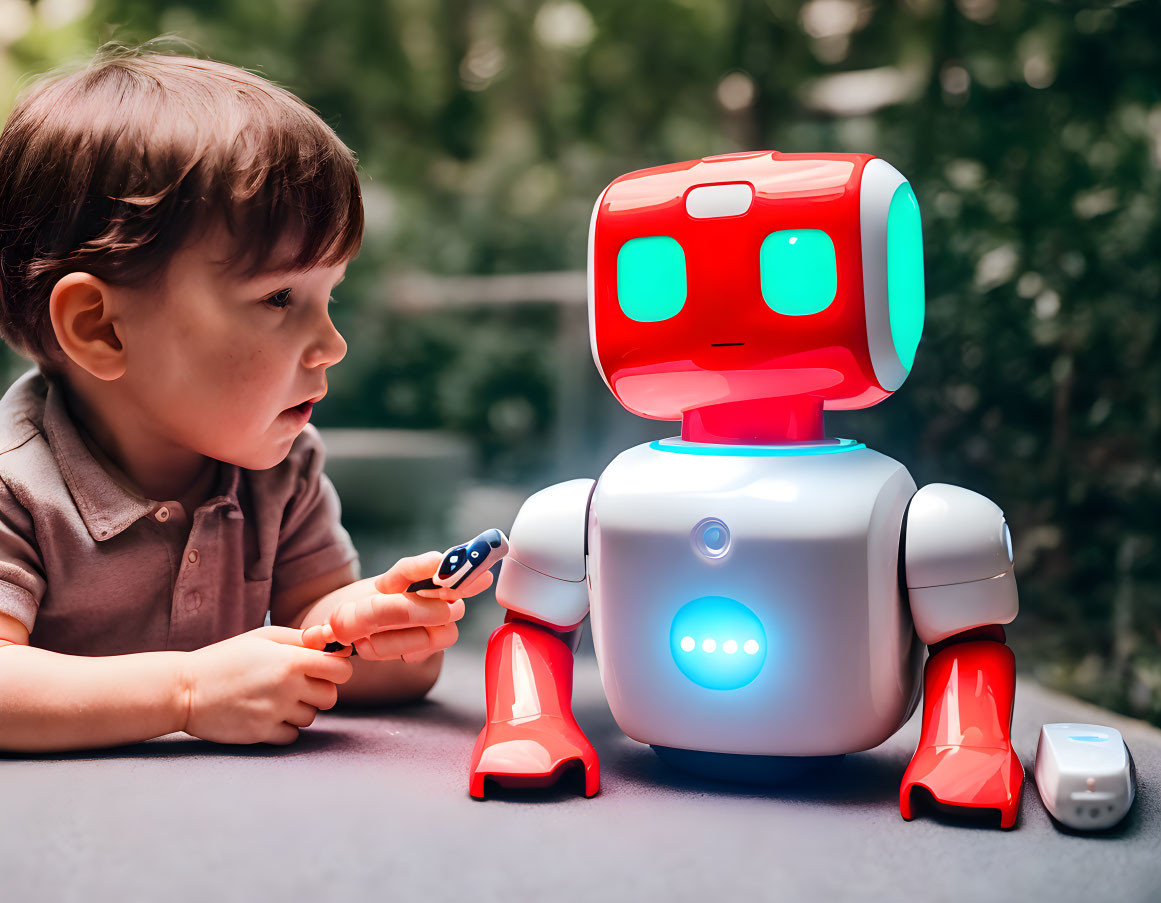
1085 775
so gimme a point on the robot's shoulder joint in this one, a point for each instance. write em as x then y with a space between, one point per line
958 561
548 534
544 573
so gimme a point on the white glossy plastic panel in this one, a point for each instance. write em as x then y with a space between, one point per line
548 534
876 189
811 549
560 603
544 573
958 557
940 612
955 535
590 283
712 201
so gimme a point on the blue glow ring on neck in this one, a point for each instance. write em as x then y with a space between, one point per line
798 449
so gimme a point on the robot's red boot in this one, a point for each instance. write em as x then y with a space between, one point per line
965 757
531 737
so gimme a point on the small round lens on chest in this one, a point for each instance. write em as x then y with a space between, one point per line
711 538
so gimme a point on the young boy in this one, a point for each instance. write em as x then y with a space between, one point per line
171 230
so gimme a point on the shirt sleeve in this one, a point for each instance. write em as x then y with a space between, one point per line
22 582
311 541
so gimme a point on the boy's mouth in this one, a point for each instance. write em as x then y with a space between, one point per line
299 412
302 411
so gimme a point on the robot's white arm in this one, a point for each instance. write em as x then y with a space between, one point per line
543 576
958 560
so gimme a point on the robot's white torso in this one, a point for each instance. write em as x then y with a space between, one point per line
748 600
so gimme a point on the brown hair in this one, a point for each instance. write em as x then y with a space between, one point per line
113 168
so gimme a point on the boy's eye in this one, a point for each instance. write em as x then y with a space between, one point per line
279 299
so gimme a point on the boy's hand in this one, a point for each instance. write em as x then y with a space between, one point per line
260 686
385 622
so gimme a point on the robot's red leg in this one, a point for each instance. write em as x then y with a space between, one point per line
530 737
965 757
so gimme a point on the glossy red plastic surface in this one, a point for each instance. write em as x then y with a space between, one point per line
531 738
965 756
726 344
761 421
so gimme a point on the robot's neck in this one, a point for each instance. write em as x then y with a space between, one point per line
761 421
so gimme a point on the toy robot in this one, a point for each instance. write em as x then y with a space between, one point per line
760 594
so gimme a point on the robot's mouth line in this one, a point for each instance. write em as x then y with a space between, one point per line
725 344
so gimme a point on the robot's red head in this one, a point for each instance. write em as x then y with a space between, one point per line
756 278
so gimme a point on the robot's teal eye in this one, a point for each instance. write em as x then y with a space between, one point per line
905 273
799 272
651 278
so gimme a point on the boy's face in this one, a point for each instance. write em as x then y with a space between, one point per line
214 361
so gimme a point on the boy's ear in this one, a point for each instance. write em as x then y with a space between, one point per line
84 315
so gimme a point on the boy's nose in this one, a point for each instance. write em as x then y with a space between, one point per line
327 349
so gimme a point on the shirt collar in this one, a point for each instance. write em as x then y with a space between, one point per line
107 507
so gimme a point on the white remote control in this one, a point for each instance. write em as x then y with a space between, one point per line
1085 775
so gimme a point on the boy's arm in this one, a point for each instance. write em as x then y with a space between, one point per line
374 682
52 702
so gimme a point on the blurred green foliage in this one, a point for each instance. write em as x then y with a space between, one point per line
1031 132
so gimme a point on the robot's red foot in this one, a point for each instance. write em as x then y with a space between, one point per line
531 738
965 757
536 754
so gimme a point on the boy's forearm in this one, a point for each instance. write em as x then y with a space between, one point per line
51 702
373 682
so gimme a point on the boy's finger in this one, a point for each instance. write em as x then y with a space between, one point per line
319 636
385 611
319 693
477 584
313 638
443 636
407 571
393 643
335 668
457 609
292 636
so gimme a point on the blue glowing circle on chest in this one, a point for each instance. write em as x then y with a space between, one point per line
718 643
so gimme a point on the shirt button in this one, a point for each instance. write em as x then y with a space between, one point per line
193 556
163 514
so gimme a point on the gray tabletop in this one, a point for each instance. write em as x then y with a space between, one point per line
375 802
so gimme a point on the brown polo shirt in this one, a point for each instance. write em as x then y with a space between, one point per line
91 568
